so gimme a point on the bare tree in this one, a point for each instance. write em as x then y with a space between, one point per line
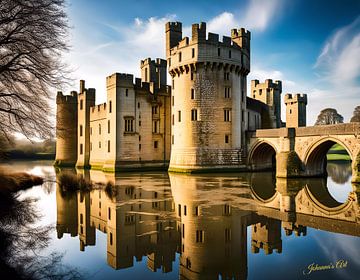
329 116
356 115
33 37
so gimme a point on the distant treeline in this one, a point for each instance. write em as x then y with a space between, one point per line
26 150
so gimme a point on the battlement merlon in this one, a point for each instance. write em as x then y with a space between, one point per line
198 32
242 38
66 99
299 97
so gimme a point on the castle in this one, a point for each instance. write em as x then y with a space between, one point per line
198 123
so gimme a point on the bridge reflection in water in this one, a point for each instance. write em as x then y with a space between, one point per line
204 218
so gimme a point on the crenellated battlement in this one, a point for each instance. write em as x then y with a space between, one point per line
159 62
66 99
173 26
299 97
119 79
269 83
98 108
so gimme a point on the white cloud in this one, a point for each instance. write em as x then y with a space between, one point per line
339 60
260 13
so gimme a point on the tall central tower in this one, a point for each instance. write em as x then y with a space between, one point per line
208 97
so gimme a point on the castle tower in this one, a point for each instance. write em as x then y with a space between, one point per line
121 115
173 31
66 211
266 235
66 129
213 235
208 97
269 93
153 71
86 99
295 109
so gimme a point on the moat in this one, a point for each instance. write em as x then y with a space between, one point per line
208 226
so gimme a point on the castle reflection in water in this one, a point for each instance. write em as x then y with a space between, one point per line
158 215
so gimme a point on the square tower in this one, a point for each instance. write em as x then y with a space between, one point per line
295 109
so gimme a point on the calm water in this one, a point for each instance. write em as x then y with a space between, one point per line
220 226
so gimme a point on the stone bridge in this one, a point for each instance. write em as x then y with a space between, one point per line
301 151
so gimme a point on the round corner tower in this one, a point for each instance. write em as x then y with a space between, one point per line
66 129
208 97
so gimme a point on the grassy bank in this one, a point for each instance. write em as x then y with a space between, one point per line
338 153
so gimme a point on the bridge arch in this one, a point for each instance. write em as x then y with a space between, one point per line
315 156
262 156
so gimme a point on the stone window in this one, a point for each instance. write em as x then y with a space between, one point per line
192 93
196 210
90 146
81 104
139 123
183 230
173 119
229 54
179 116
99 129
227 139
260 91
290 111
126 92
81 130
192 52
219 51
194 115
179 210
184 210
227 92
191 75
81 149
200 236
138 105
172 139
108 146
227 235
109 213
154 110
226 76
111 239
139 147
227 209
243 95
173 84
129 124
108 126
156 144
146 75
227 115
179 56
188 263
99 144
156 126
110 106
173 100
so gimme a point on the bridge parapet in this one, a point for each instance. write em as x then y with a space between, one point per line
336 129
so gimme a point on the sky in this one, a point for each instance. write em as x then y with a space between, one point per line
312 46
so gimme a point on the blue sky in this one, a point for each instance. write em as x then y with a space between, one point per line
312 46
